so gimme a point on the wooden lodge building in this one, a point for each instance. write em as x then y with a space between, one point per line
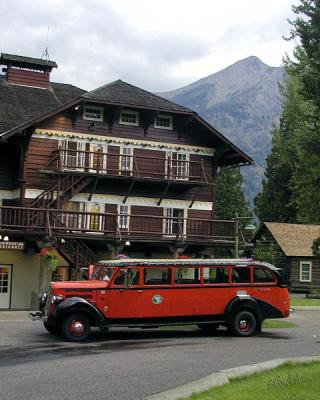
114 170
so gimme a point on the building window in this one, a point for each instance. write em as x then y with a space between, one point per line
126 159
305 271
73 155
123 217
163 122
129 118
179 165
174 222
93 113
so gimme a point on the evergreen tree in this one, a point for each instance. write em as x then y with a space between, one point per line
230 198
291 189
305 182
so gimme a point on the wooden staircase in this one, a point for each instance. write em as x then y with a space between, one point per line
62 191
77 253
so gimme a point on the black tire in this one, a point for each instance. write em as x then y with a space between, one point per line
55 329
209 329
76 327
243 323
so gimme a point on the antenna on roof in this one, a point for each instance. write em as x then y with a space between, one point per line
45 54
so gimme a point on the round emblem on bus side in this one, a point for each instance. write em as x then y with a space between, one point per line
157 299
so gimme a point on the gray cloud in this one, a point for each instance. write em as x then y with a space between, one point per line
93 44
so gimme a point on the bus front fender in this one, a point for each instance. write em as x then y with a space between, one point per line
80 305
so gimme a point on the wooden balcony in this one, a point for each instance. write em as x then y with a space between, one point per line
106 226
106 165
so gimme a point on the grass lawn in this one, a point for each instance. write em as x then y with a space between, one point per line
305 302
271 323
288 382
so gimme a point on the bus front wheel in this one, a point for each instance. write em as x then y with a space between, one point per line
244 323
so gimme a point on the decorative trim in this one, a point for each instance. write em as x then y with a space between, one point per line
54 134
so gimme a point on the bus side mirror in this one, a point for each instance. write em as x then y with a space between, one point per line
127 276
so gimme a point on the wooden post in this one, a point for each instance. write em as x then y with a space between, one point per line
236 236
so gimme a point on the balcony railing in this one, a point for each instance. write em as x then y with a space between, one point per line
108 164
114 226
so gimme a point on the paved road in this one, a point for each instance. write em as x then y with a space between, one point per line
132 364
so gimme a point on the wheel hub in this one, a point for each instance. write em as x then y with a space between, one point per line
243 325
77 328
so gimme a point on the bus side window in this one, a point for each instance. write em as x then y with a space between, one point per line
187 276
157 276
134 277
240 275
262 275
215 275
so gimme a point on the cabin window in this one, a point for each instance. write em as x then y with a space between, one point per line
129 118
262 275
126 159
163 122
240 275
157 276
187 276
124 217
215 275
93 113
305 271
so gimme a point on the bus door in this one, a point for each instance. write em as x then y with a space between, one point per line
117 301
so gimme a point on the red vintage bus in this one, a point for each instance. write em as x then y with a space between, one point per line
238 294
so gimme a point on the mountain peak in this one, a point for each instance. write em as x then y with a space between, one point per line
243 102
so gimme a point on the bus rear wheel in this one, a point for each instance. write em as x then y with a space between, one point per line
244 323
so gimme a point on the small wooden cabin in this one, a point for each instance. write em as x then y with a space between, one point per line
296 254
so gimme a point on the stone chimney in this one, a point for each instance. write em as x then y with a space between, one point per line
27 71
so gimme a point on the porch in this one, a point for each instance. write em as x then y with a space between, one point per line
29 221
174 168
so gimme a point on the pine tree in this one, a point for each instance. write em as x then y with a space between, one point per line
291 189
230 197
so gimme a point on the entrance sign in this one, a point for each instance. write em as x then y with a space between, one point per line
12 245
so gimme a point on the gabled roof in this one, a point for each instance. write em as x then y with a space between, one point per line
26 106
295 240
123 93
20 104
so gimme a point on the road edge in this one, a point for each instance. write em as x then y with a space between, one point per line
222 377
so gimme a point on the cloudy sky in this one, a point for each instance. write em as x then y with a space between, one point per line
157 45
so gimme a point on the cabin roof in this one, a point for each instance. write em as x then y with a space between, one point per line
185 262
295 240
123 93
20 104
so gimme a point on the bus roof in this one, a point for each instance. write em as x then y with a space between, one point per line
183 262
